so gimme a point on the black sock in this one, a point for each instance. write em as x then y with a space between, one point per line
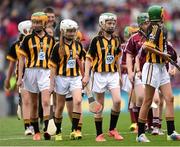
26 123
58 122
150 118
170 126
79 126
98 124
46 120
141 128
136 112
35 125
75 120
40 109
114 119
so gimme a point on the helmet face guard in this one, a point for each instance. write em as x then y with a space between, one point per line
69 28
24 27
39 20
142 18
108 19
155 13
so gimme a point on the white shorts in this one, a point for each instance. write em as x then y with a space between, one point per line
69 95
155 75
126 83
105 81
65 85
36 79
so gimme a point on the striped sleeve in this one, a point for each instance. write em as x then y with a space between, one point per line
118 51
82 53
24 47
91 53
54 57
12 55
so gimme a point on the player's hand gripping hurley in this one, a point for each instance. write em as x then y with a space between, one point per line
94 106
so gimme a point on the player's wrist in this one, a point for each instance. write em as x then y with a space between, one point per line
86 75
138 70
20 78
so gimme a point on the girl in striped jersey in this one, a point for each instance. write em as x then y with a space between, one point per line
66 76
155 75
35 51
158 99
103 56
24 28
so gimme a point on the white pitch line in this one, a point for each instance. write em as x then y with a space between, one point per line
27 137
14 138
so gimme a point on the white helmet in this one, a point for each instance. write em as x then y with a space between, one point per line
106 16
24 25
68 24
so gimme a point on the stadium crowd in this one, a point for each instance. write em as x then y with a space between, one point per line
86 13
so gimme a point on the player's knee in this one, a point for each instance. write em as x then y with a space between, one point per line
140 100
26 103
140 97
156 101
45 104
170 99
78 101
117 103
148 102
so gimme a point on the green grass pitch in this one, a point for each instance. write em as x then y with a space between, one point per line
12 133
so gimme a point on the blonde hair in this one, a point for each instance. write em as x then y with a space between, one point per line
61 45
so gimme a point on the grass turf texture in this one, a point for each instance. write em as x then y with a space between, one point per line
12 133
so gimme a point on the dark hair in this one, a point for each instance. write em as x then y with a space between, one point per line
48 10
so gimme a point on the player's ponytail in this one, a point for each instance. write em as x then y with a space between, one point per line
100 33
61 45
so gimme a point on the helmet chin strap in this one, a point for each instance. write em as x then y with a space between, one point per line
68 39
109 32
38 30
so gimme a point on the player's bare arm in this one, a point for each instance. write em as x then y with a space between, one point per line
129 58
20 71
87 71
9 74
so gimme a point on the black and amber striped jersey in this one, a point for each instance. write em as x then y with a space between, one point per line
104 54
67 64
13 54
157 39
37 50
